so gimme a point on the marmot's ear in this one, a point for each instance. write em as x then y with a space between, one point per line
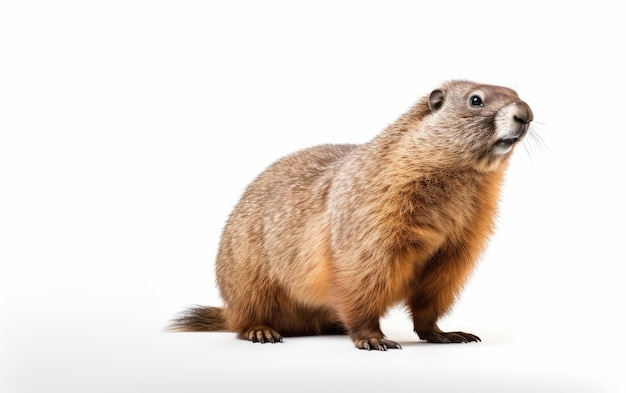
435 100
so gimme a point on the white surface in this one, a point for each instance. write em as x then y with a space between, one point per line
129 129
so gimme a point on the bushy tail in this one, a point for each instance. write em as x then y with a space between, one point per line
200 319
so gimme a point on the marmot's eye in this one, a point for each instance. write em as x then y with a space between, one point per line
476 101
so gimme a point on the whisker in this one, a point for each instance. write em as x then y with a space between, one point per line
528 153
538 141
537 122
534 145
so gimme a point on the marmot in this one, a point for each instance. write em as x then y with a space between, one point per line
327 239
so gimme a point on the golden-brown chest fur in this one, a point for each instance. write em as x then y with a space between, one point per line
400 213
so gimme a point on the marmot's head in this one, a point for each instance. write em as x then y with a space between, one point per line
472 124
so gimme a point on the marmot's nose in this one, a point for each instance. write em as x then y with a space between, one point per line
522 114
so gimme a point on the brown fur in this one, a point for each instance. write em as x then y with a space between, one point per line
326 240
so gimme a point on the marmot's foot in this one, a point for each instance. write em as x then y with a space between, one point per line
263 334
449 337
380 344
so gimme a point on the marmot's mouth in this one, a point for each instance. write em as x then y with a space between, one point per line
505 145
504 142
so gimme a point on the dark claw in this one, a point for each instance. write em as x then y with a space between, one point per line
378 344
264 335
468 337
450 337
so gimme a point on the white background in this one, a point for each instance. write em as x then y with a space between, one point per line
129 129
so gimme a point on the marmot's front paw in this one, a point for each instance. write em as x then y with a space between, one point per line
449 337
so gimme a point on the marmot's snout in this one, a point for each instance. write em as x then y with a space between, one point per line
512 124
522 112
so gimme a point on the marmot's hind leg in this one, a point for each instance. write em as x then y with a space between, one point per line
335 329
293 321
